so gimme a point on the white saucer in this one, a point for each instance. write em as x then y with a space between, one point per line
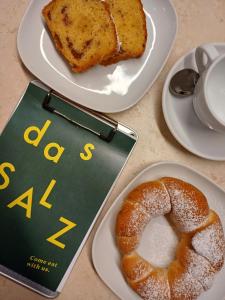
183 122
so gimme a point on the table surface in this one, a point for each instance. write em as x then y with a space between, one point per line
199 21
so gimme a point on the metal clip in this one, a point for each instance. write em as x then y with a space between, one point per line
108 138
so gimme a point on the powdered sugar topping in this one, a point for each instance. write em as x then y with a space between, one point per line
137 221
185 287
189 206
154 288
156 200
210 243
199 268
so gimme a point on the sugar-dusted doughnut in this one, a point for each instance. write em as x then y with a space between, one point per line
200 251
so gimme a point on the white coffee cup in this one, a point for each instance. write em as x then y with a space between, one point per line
209 94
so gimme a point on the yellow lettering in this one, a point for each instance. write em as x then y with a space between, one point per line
27 206
55 158
40 133
44 198
52 239
88 154
5 177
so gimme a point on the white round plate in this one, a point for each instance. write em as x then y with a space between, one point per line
158 243
106 89
182 121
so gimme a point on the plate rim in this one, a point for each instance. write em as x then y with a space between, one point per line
166 114
103 110
126 188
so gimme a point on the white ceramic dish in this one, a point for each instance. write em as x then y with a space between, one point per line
158 241
106 89
183 122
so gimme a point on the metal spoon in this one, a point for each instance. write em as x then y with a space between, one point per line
183 83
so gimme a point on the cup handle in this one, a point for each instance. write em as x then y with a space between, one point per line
211 54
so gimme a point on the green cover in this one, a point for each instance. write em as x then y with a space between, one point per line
74 189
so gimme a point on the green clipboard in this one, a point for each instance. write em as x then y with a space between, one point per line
58 164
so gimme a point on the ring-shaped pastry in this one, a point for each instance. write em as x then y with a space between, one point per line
200 251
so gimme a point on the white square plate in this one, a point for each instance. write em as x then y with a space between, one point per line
106 89
158 235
